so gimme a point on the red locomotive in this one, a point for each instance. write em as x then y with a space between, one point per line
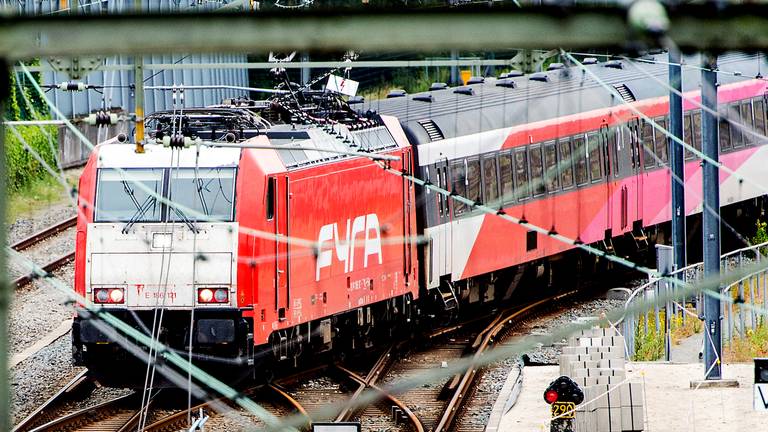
276 253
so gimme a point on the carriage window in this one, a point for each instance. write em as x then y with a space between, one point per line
459 186
595 166
490 180
550 161
618 145
687 135
736 137
648 160
725 135
521 174
580 161
566 164
271 196
120 199
746 120
697 130
473 180
505 174
537 171
660 141
209 192
759 116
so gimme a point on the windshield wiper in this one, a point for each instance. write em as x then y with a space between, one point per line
186 220
142 210
130 193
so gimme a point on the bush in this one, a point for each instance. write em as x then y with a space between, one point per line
649 346
22 169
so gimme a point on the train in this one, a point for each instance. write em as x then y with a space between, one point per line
293 236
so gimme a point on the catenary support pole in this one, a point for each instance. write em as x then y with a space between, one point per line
711 219
5 288
138 91
677 164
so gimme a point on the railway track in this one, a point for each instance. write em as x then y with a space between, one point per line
38 237
436 406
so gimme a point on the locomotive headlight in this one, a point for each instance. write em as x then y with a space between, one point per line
108 295
213 295
205 295
221 295
116 295
101 295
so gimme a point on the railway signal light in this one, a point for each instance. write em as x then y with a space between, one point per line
550 396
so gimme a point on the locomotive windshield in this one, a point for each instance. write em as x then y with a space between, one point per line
120 199
203 195
209 193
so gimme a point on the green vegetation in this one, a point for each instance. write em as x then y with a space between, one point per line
761 235
754 344
650 346
26 176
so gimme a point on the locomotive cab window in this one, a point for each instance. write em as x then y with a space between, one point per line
209 192
120 199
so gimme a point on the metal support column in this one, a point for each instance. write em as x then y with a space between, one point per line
454 69
5 288
677 161
138 91
711 218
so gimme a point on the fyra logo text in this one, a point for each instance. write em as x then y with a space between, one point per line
344 248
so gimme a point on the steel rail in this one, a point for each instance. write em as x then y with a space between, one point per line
373 375
469 378
49 267
95 414
404 408
43 412
291 401
41 235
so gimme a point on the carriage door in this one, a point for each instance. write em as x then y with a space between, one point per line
636 181
442 239
407 209
280 192
608 138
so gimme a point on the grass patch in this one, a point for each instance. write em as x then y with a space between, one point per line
744 349
649 345
682 330
36 195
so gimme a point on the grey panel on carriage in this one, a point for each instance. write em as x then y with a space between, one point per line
300 148
568 91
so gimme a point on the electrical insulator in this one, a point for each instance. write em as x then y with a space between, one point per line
179 141
72 86
101 118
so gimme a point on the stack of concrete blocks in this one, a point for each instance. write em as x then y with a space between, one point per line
595 361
